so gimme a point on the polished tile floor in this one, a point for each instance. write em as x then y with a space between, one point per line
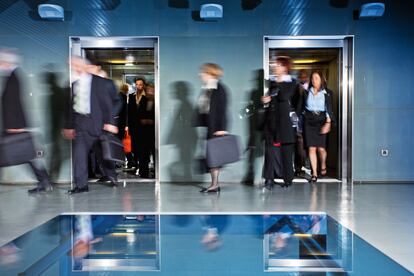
380 214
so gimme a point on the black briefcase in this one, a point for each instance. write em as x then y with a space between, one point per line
112 148
223 150
16 149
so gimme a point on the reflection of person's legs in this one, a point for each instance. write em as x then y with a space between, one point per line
287 151
314 160
322 155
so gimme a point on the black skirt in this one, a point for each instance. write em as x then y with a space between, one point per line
312 127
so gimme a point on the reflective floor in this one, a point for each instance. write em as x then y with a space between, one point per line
380 214
205 244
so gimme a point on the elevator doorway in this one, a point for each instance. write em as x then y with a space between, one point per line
334 57
126 59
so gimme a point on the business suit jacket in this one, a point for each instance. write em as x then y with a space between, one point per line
147 132
278 122
105 106
133 121
216 120
12 108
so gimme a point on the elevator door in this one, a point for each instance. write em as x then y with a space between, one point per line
124 59
331 56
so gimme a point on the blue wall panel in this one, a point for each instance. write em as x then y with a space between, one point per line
383 68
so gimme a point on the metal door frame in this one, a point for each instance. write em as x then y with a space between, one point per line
346 43
77 43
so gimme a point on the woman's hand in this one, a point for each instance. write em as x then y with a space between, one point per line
15 130
220 133
326 128
266 99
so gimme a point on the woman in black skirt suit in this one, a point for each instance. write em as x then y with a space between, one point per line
212 112
318 119
284 102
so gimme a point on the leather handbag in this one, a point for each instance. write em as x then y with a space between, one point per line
16 149
127 142
223 150
112 148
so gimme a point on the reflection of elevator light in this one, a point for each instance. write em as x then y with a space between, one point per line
301 61
131 238
129 64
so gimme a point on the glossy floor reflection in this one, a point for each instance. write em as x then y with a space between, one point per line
380 214
207 244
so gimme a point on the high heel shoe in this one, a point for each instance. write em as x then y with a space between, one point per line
216 190
322 173
203 190
313 179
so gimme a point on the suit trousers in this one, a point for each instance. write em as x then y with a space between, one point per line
84 142
287 151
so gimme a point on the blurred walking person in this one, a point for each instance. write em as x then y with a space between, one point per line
212 112
92 112
284 103
12 112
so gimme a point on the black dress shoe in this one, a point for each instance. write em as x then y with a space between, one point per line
40 190
77 190
114 184
104 179
285 185
268 184
203 190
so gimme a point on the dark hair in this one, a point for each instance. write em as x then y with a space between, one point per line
141 79
285 61
94 61
321 75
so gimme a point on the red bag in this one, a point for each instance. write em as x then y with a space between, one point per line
127 142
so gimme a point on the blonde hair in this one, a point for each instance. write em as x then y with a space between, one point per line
125 88
212 69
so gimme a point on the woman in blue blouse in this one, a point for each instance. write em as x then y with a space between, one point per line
318 119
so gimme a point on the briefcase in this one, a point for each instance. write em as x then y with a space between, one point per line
112 148
16 149
223 150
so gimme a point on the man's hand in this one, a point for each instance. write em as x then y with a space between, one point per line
15 130
266 99
110 128
68 133
220 133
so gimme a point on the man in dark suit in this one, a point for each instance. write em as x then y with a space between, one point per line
93 111
12 114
